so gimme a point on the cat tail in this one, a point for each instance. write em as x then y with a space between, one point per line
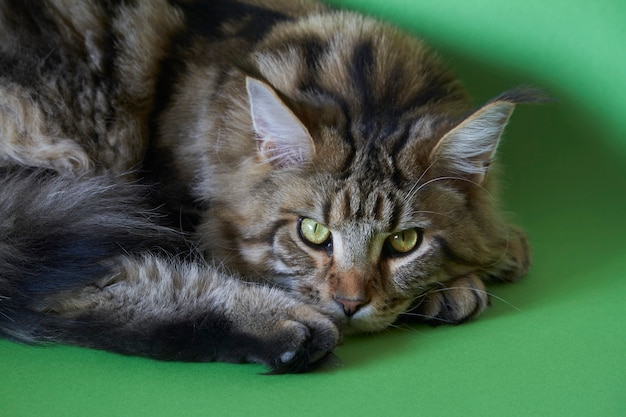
58 233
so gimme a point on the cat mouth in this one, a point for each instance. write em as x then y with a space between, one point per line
366 320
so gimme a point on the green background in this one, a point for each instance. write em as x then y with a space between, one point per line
552 345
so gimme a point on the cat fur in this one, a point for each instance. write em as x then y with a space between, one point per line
157 158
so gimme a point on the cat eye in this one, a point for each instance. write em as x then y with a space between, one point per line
313 232
403 242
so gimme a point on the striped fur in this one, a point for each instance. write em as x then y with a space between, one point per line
158 159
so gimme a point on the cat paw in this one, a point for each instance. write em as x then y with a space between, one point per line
279 332
301 347
453 302
301 341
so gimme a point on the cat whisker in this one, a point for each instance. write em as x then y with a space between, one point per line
411 193
416 212
418 189
400 326
474 289
427 317
506 248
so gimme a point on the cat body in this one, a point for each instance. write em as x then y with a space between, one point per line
238 180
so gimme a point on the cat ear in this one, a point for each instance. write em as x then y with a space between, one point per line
470 146
282 139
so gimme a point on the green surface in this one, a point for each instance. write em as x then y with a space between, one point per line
552 345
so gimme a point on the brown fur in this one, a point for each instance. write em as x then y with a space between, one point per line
243 124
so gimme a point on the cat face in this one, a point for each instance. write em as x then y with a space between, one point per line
362 254
361 229
363 187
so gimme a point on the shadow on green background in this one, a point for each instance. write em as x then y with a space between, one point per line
551 345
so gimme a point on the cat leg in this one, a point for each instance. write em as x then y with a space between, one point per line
72 271
172 310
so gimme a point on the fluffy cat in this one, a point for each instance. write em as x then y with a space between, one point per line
238 180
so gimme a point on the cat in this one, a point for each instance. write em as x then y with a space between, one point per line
240 181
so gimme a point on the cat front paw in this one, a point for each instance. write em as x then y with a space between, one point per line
453 302
301 340
301 344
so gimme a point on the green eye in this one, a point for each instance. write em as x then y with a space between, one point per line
314 232
404 241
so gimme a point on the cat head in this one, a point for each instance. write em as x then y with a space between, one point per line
369 182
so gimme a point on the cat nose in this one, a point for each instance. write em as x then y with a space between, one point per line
350 305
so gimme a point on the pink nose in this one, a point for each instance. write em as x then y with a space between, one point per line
350 305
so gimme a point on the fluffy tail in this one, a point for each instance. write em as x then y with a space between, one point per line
58 233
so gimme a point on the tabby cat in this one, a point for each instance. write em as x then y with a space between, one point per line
238 181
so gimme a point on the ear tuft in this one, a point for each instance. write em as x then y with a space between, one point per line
470 146
282 139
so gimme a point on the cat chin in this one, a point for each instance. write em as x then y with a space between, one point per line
354 327
366 323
